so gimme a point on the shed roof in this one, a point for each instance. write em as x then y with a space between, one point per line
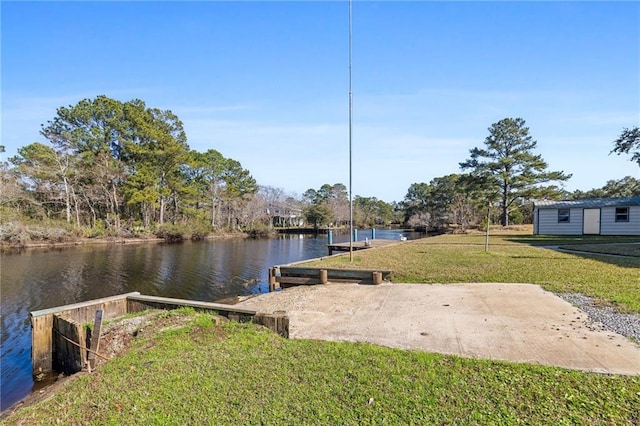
589 203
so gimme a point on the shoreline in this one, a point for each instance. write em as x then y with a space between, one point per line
74 242
600 319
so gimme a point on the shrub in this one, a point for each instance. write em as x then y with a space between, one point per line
260 231
19 234
171 233
14 233
199 231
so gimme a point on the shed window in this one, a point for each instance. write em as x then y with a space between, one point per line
622 214
564 215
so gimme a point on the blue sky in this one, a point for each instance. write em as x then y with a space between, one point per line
266 83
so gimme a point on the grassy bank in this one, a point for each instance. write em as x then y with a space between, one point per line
512 257
194 371
203 373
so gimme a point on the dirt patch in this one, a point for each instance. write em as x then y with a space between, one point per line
118 335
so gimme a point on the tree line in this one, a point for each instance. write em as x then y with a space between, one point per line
119 168
502 181
123 166
499 181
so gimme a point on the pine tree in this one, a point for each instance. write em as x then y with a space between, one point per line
507 169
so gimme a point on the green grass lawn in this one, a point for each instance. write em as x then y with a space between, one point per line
203 373
616 249
230 374
512 258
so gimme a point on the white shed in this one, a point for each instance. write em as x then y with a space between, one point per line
595 216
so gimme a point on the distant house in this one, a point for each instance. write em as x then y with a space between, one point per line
596 216
284 216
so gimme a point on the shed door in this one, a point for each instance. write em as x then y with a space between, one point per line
591 222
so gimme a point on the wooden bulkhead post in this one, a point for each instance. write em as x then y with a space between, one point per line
95 338
273 283
69 345
278 321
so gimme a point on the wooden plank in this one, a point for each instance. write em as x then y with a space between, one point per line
156 301
297 280
370 243
294 270
343 247
95 338
112 309
361 275
68 344
361 245
89 303
291 281
308 276
277 321
42 344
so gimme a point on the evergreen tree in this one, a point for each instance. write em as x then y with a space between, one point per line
629 141
507 169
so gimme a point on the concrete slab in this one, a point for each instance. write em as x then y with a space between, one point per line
512 322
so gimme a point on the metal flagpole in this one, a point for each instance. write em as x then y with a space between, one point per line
350 138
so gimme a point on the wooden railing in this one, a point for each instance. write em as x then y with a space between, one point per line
288 276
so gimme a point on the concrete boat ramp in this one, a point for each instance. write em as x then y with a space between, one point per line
511 322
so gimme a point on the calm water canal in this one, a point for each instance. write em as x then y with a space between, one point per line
208 270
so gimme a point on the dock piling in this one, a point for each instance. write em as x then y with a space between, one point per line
273 283
324 276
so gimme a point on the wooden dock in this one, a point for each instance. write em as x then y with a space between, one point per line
298 230
360 245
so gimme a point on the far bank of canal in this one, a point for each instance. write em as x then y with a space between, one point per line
206 271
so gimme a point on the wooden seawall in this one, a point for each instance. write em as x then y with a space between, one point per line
288 276
58 338
42 325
